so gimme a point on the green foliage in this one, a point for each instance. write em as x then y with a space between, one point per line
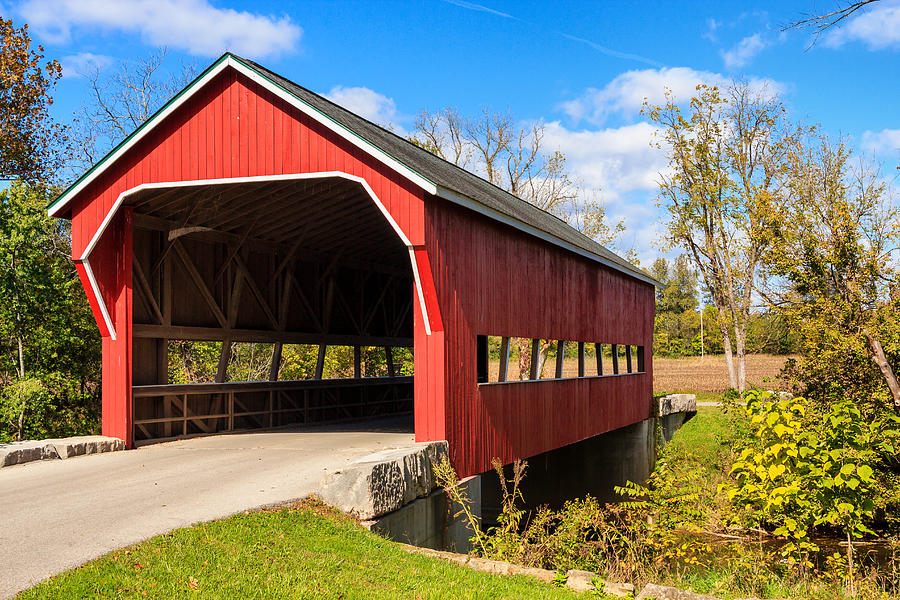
835 251
47 332
802 470
677 327
678 290
503 541
51 406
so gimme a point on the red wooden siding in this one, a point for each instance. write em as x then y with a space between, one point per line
230 128
494 280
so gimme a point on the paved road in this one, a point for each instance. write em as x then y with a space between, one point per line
57 514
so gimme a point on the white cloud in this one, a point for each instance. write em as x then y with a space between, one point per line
626 93
77 65
616 159
621 162
368 104
885 142
194 26
744 51
878 28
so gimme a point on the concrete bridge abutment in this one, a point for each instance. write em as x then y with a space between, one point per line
394 492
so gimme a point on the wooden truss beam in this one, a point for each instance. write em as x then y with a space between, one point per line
216 334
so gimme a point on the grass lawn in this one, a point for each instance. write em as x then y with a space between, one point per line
707 441
303 551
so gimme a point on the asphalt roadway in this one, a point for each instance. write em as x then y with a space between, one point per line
57 514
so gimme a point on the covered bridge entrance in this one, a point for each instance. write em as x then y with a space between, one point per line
250 210
308 260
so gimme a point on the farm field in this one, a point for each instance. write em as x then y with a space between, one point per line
691 374
710 374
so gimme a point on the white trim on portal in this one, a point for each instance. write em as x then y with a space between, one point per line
96 290
84 258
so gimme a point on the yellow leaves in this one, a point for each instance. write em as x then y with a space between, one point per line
775 470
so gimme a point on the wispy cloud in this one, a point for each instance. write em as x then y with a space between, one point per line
78 65
712 26
742 53
596 46
610 51
481 8
195 26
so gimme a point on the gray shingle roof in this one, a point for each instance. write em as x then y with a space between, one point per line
451 177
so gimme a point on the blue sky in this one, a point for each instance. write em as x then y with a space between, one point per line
583 68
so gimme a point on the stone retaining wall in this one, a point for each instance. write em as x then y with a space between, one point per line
16 453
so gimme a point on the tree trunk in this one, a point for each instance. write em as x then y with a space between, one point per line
879 358
21 357
524 358
21 420
740 342
850 564
542 357
729 357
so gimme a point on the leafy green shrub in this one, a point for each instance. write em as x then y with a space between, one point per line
50 406
802 470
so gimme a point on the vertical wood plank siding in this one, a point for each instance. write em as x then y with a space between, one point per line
478 277
494 280
230 128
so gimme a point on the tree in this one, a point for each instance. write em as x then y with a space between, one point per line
48 340
835 251
121 99
514 158
678 292
677 320
727 166
30 143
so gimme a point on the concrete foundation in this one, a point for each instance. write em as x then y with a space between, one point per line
593 466
431 522
17 453
423 516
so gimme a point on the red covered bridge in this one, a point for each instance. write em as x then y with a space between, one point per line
249 209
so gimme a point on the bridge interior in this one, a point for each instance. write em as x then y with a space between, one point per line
263 304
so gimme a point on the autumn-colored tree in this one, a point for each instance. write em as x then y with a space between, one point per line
834 259
728 158
30 143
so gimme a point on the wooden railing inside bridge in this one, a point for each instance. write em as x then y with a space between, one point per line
197 409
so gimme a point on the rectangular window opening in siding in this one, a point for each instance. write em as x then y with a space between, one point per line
503 359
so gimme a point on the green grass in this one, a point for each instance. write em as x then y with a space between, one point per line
305 551
707 441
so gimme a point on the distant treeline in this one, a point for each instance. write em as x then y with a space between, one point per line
677 330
